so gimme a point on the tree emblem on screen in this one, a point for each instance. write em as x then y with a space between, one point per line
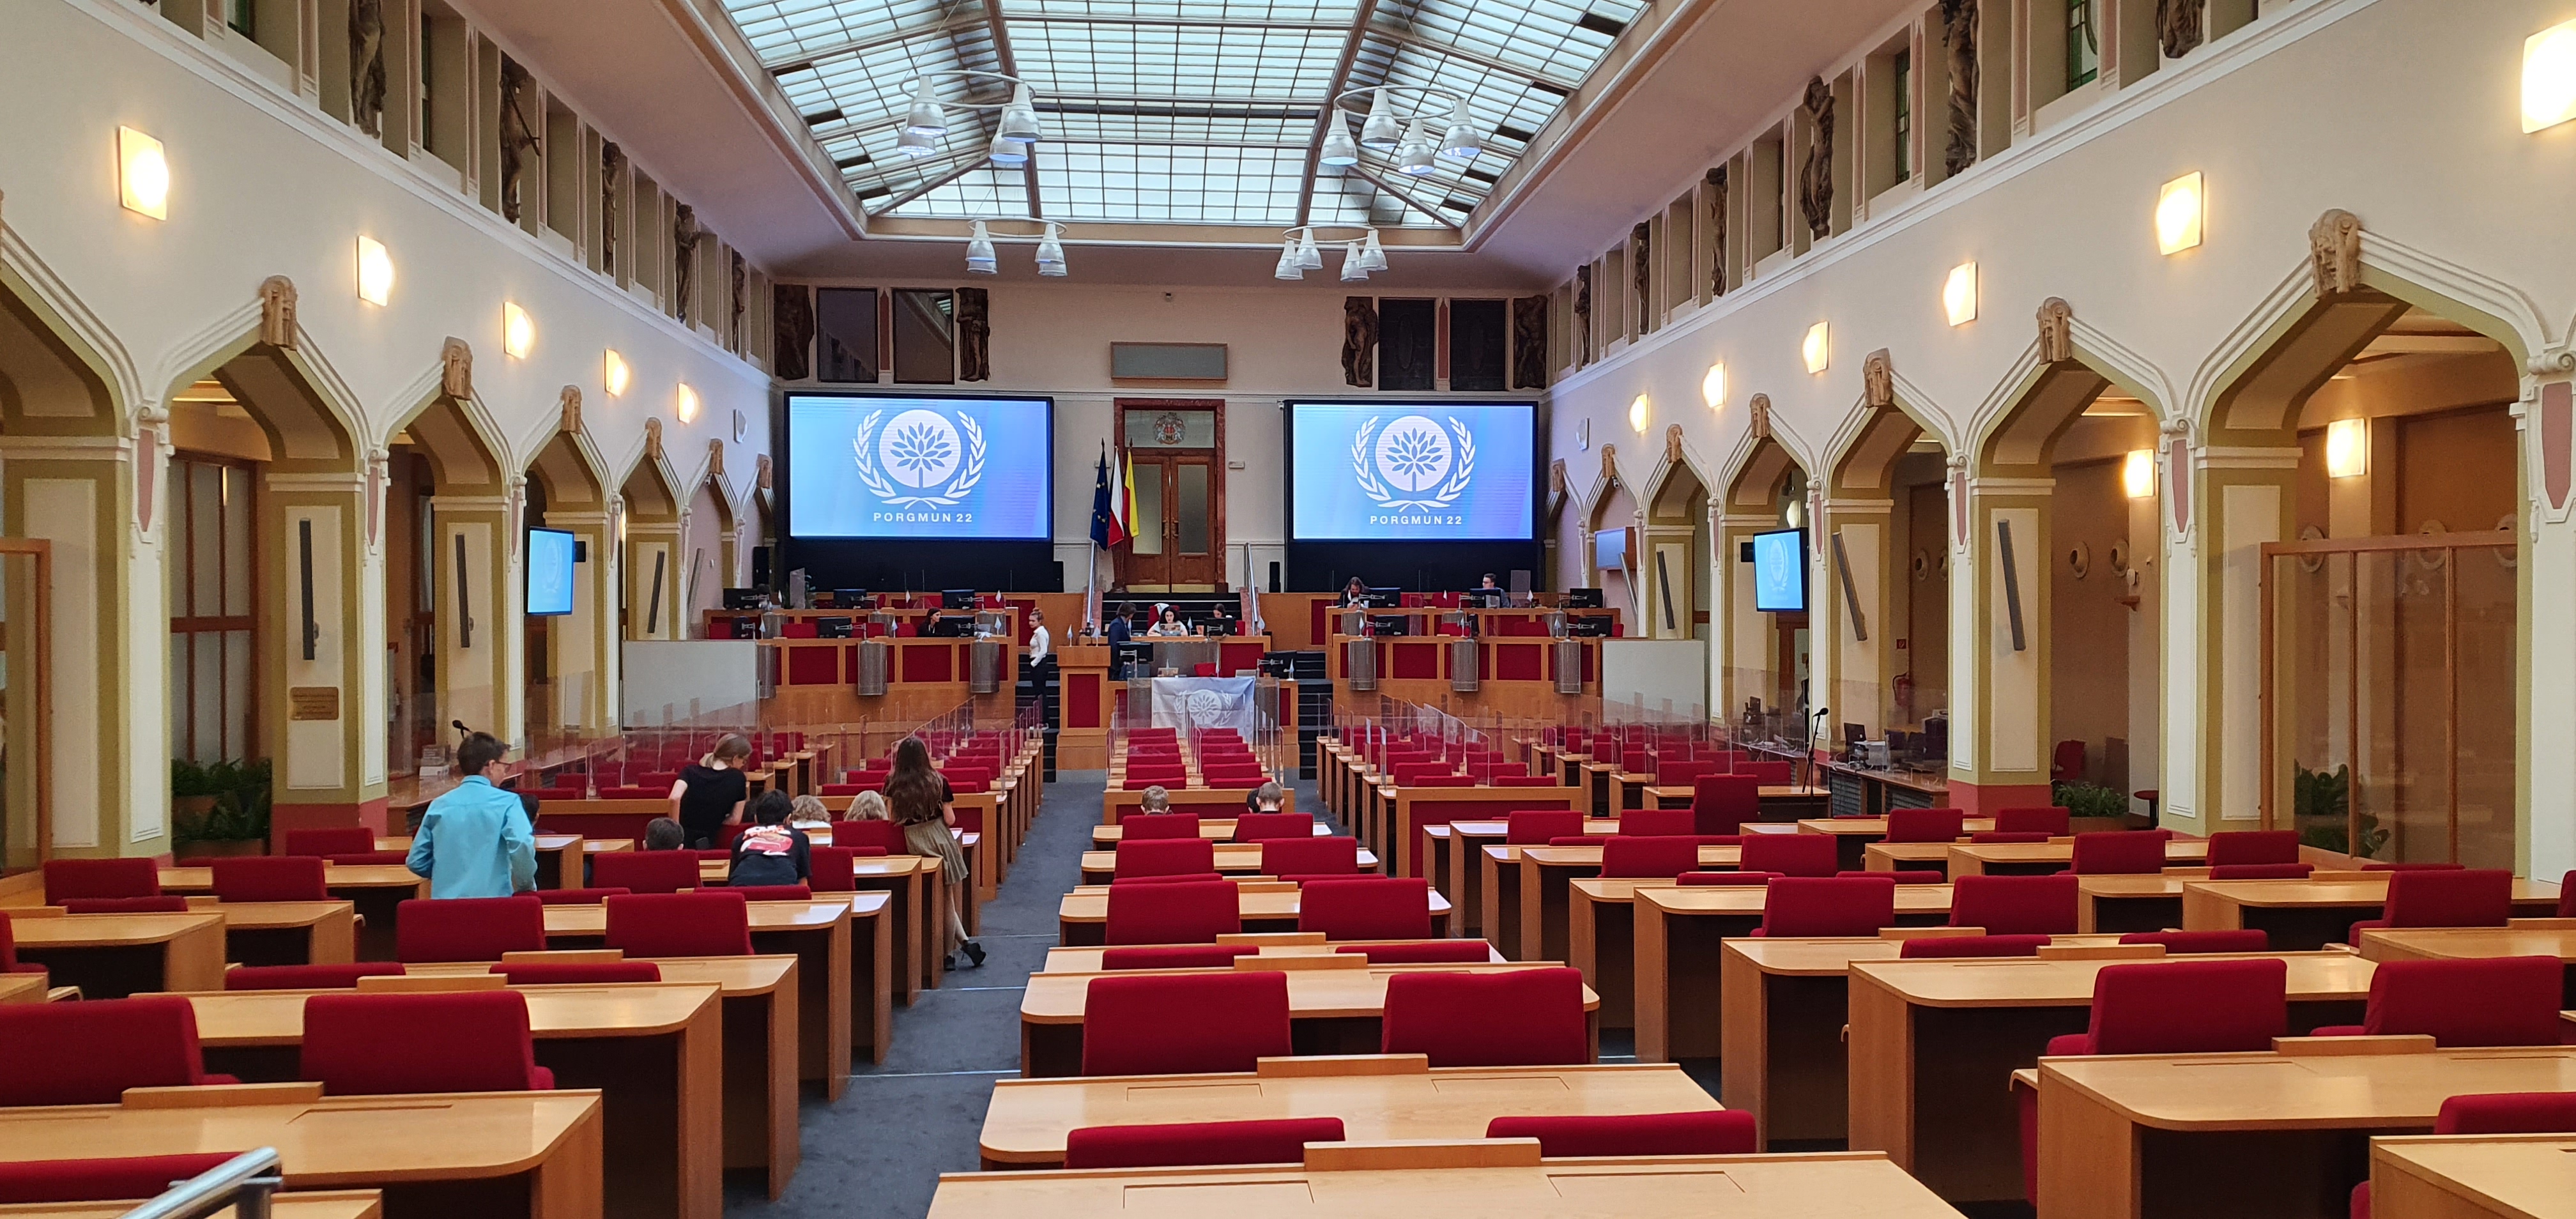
918 451
1414 463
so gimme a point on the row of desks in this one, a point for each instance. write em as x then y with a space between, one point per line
1082 918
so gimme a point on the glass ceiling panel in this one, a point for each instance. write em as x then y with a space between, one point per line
1171 111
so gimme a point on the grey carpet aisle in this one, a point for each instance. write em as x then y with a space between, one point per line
877 1153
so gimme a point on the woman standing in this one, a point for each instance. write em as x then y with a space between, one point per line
918 798
709 794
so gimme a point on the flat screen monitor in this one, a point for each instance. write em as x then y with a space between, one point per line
1390 624
1412 472
1780 571
1386 598
742 598
550 578
1583 598
901 468
957 598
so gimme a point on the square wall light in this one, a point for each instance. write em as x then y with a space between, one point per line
1639 411
685 404
142 174
375 271
2549 77
613 374
2347 448
2178 214
1712 388
518 331
2138 474
1817 349
1959 294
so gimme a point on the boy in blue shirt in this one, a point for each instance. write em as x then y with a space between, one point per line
475 841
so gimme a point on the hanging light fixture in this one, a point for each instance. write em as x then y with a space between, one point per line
1413 156
979 252
1020 118
1288 268
1310 257
1381 131
926 117
1051 251
1007 152
1340 150
914 144
1463 141
1372 255
1354 264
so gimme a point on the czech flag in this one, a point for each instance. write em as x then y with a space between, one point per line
1107 529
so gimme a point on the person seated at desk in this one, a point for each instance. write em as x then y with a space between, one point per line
1155 800
1169 626
1487 585
1266 798
807 812
475 841
1122 627
771 852
869 806
664 834
1355 595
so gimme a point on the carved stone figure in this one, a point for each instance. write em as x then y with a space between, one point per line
1610 464
277 312
1717 230
2334 252
791 332
1641 262
1529 342
456 369
685 236
1673 444
2178 26
2056 331
1556 477
1583 314
1959 37
974 335
715 459
1816 177
653 438
1359 341
568 408
1758 413
760 471
612 175
367 65
733 315
518 137
1878 380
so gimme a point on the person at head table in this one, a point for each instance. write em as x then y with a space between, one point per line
475 841
1169 625
1355 594
1122 627
1488 585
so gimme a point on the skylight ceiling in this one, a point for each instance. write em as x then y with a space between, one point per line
1173 111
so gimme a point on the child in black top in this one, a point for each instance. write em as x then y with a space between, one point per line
771 852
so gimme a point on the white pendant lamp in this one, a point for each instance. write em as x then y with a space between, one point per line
1051 251
926 117
914 144
1354 264
1340 150
1372 255
1381 131
1020 118
1414 155
1309 256
979 252
1008 153
1288 268
1463 141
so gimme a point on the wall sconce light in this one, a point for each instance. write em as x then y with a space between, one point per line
687 404
2178 213
1638 412
2138 474
518 331
614 374
1712 388
142 174
2347 448
2549 77
1959 294
375 271
1817 348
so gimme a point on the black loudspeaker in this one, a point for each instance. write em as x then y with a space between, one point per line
1059 575
1744 552
1274 577
759 566
581 550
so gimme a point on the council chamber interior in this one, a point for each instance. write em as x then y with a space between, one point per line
1914 608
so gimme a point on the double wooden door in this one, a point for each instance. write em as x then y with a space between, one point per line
1176 452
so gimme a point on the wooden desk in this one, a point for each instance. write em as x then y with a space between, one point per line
1457 849
1780 801
918 912
285 933
1906 857
2250 1134
1332 1011
2110 904
655 1051
2303 914
1237 858
1600 939
1853 835
1214 829
1545 910
1294 944
2050 858
1379 1182
1377 1097
1678 972
2457 943
23 988
558 856
1399 839
317 1204
110 956
375 890
1083 917
2510 1176
494 1155
1934 1045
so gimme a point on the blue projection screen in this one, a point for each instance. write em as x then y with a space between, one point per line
920 469
550 557
1397 472
1780 572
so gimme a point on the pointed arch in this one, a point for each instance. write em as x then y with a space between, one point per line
40 310
1676 463
1861 456
1761 464
2070 364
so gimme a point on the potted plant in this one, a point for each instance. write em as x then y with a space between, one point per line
2091 802
220 809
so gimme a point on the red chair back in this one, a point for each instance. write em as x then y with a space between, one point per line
2253 847
1139 827
1973 946
885 836
1509 1018
339 840
2188 1007
1827 906
1187 1144
1164 857
1235 1020
588 973
648 871
468 928
2119 853
452 1041
1424 952
2180 943
115 1179
1175 956
1183 912
89 1053
2052 820
706 923
1721 804
2469 897
1925 824
1366 908
1661 857
1768 774
2015 905
583 897
271 878
1791 854
1658 822
1536 827
2507 1113
1702 1132
68 879
2009 836
2469 1002
1727 878
167 903
307 977
1259 827
1311 855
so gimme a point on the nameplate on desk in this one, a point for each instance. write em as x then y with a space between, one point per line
313 703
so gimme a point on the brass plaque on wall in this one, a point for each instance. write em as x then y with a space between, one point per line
313 703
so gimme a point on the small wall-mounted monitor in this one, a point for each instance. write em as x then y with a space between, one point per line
1610 550
550 578
1780 571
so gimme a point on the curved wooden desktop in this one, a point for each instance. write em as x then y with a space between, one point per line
110 956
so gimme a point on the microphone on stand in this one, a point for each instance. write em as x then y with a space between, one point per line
1820 714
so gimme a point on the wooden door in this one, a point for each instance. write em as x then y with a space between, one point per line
1177 451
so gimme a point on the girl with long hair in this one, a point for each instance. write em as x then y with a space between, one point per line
918 797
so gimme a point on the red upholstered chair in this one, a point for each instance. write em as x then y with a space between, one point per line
1175 956
1510 1018
2253 847
1973 946
1259 827
706 923
1579 840
1703 1132
2052 820
1366 908
2066 764
1135 782
2182 943
1909 877
1827 906
1443 781
1311 855
580 973
340 840
2493 1113
2261 871
1175 878
2444 897
271 878
1791 854
2118 853
307 977
1130 1025
1925 824
2468 1002
772 893
1137 827
1721 804
1424 952
583 897
2567 895
1660 857
368 859
1659 822
650 871
1768 774
9 963
69 879
1186 1144
451 1041
1188 912
2015 905
834 869
90 1053
120 1179
1727 878
167 903
1164 857
468 928
885 836
1508 780
1537 827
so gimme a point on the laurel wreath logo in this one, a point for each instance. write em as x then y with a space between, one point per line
969 474
1363 466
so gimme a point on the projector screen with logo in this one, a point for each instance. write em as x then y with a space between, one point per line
920 469
1418 472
